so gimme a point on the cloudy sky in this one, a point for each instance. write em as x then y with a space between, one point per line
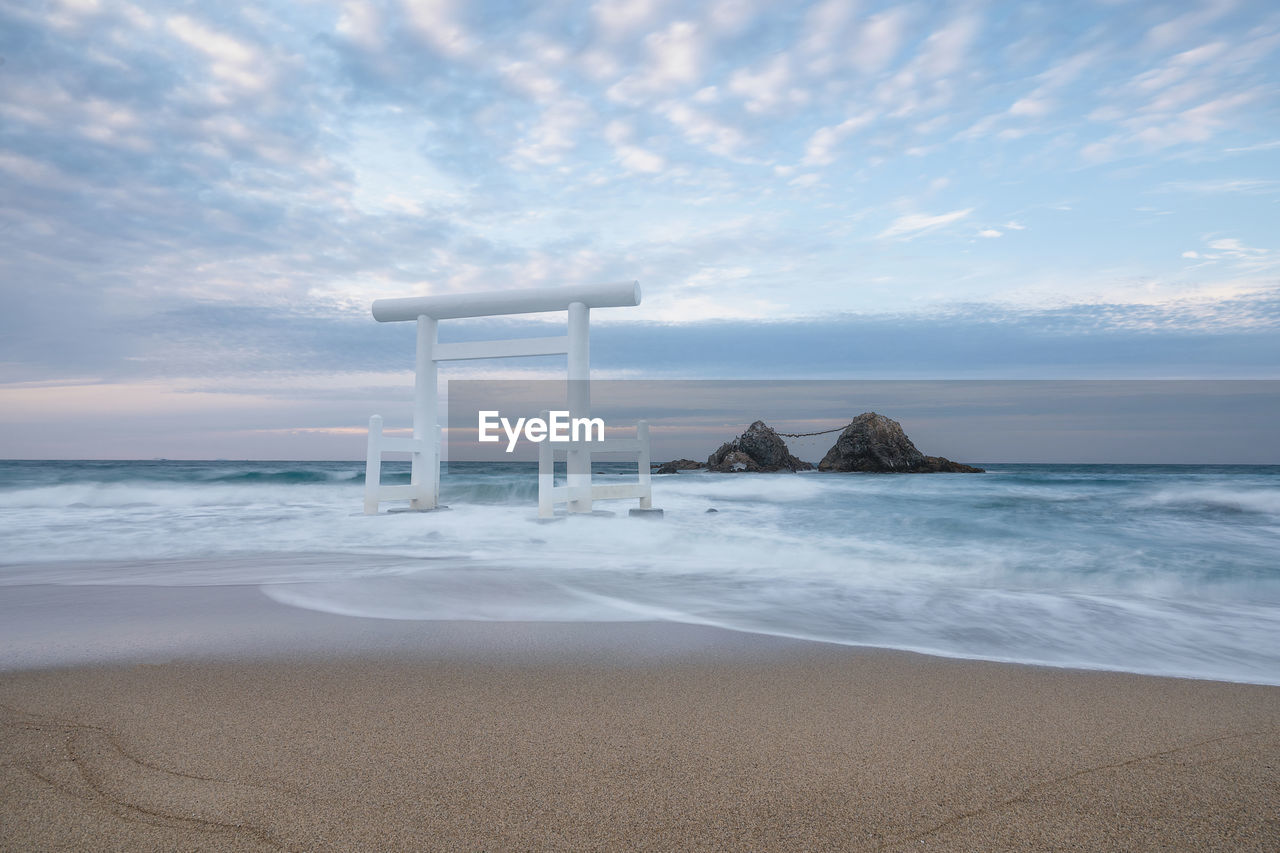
199 201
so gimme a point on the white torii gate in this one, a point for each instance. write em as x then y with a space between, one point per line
423 490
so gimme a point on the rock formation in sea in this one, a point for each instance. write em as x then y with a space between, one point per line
874 443
677 465
757 449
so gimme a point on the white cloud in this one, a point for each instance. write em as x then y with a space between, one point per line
820 150
1178 97
620 18
702 130
231 60
599 64
69 14
990 232
137 18
1104 149
544 50
1226 185
1177 68
1107 112
1030 107
35 171
555 133
769 88
1155 132
1067 71
1014 226
360 23
824 32
1234 247
618 131
80 7
1168 33
931 125
631 157
530 78
914 224
1039 102
1233 252
675 59
1191 96
981 127
945 50
1261 146
112 124
929 80
636 159
676 53
728 17
1194 125
879 40
436 21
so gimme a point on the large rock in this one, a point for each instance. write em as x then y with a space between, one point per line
678 465
757 449
877 444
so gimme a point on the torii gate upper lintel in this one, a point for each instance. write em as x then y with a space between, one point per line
423 491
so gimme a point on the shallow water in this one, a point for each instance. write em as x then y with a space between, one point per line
1157 569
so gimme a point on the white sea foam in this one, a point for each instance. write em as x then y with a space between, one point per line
1168 571
1264 501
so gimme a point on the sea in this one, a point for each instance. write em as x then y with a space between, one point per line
1168 570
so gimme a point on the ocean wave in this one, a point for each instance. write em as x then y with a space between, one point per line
783 487
125 495
1162 570
1261 501
1130 632
296 476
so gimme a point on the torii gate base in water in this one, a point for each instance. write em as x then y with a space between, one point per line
423 491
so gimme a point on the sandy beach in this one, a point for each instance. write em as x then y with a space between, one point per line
355 734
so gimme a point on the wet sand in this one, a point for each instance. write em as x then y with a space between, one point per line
379 735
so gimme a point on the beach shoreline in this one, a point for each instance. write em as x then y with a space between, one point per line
309 731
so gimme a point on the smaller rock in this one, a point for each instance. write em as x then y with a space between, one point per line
736 460
713 509
942 465
678 465
757 449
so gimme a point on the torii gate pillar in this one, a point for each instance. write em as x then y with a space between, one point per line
578 464
425 475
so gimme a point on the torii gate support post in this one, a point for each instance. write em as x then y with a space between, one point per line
425 476
578 463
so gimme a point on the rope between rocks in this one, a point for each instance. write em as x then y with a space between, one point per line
806 434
